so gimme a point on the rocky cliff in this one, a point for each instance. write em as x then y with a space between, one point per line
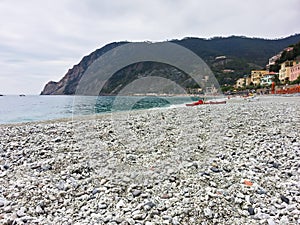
67 85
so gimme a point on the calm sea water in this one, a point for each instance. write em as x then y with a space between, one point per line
16 109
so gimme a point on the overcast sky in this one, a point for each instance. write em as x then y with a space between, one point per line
40 39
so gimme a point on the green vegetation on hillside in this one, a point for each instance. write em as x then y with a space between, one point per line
243 54
240 56
286 56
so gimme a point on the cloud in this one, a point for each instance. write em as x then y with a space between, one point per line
45 38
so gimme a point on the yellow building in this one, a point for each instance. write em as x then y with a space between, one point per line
241 82
285 71
248 80
256 75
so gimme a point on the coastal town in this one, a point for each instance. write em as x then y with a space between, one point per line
287 79
150 112
212 163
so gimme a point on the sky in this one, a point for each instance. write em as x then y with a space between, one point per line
40 39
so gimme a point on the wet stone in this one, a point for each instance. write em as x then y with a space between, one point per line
95 191
275 165
215 169
149 205
6 167
251 211
56 140
205 174
261 191
284 199
46 167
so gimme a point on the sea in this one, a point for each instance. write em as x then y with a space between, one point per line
32 108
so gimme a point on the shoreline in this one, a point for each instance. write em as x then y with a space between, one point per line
69 105
227 164
108 114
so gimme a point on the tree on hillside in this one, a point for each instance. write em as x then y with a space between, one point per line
276 79
296 50
275 68
297 81
286 56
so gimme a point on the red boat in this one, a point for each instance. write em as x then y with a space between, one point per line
201 102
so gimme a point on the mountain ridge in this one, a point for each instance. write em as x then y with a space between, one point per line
242 55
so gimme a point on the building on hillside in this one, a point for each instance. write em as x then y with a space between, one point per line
240 83
288 49
295 70
273 60
267 79
222 57
194 90
220 60
256 75
228 71
248 80
243 82
285 71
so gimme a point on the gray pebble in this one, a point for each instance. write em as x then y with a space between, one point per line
102 206
136 193
139 216
207 212
271 221
284 199
215 169
251 211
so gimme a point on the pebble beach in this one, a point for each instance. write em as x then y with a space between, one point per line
237 163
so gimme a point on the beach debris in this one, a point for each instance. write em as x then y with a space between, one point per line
248 183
